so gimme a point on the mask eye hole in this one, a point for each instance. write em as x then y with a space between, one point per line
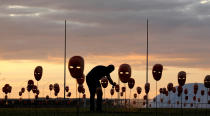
154 71
159 72
126 73
78 67
121 73
71 67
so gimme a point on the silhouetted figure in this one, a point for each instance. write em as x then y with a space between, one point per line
94 85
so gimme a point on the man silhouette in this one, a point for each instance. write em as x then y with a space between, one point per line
94 85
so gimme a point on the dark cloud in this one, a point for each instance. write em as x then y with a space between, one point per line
35 29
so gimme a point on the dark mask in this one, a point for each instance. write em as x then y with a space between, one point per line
157 71
181 78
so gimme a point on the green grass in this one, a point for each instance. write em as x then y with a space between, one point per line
108 112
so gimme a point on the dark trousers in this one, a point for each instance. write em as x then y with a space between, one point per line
93 85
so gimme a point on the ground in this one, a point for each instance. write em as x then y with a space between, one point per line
109 112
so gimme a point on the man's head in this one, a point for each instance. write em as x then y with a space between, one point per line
110 68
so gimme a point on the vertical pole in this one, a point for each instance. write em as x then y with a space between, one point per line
147 66
206 100
118 95
181 105
125 94
64 95
156 101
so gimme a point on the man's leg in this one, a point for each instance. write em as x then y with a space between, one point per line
99 97
92 90
92 97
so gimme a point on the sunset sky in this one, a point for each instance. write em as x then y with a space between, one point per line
103 32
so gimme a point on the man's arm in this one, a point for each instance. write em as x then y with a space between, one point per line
110 80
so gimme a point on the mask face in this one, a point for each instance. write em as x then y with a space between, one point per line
55 94
202 92
186 97
34 89
147 87
161 90
84 96
157 71
161 100
38 73
199 99
37 92
121 94
104 82
135 95
131 83
185 91
145 97
170 86
23 90
181 78
30 85
164 90
194 98
67 88
207 81
76 66
69 94
80 88
112 91
195 88
138 90
31 82
166 93
124 72
20 93
123 89
56 88
169 101
174 89
180 89
51 87
83 90
81 80
117 88
28 88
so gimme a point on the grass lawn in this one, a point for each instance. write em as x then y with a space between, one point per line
108 112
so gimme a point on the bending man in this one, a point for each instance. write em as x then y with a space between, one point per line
93 81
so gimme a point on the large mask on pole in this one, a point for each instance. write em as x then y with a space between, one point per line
157 71
181 78
124 72
207 81
38 73
76 66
